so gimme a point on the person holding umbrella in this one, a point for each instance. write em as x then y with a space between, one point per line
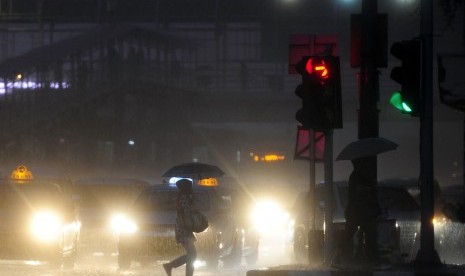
362 209
183 235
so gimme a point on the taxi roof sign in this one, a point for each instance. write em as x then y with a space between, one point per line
21 173
208 182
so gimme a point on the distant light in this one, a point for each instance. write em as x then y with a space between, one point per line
19 76
271 157
173 180
19 84
131 142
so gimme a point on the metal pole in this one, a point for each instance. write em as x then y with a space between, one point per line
368 117
427 254
329 229
312 179
311 190
368 120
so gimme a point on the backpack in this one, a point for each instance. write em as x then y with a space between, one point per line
199 222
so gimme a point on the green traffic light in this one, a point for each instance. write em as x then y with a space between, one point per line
396 101
406 107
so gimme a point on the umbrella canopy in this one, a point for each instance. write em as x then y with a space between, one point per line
366 147
194 170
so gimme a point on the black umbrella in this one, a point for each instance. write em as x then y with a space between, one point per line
366 147
194 170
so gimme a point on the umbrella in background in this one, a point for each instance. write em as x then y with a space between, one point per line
366 147
194 170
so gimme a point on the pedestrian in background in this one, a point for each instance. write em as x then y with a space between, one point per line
361 215
183 235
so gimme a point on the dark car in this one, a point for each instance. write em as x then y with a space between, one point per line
412 185
396 204
147 229
101 200
38 220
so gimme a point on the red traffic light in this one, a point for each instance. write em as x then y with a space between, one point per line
317 66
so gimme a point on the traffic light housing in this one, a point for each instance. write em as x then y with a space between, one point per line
408 75
320 92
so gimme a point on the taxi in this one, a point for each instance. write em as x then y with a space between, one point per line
38 220
147 229
101 200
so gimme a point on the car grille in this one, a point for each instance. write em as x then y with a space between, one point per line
97 240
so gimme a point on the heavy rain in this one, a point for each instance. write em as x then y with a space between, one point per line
106 104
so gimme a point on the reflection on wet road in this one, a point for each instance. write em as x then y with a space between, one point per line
103 267
274 250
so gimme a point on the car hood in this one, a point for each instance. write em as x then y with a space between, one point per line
156 218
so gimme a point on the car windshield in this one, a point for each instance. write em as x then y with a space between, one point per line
108 196
24 197
165 200
392 199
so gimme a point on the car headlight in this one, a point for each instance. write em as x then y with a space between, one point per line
268 215
46 225
439 221
122 224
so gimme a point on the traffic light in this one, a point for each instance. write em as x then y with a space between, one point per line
408 99
320 92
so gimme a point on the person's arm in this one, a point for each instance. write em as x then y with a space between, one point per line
186 205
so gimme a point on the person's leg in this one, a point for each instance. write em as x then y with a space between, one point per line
191 254
371 241
345 248
348 240
179 261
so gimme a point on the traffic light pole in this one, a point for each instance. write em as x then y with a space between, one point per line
311 253
329 228
368 125
427 254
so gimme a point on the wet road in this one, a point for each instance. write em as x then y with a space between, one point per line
272 253
103 267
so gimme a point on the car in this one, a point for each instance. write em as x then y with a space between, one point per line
450 228
38 220
147 229
398 207
412 185
100 201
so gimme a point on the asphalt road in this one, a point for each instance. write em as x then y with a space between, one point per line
270 255
103 267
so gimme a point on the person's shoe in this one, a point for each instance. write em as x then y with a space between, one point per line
167 268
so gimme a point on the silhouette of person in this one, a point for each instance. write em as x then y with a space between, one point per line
182 235
361 213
